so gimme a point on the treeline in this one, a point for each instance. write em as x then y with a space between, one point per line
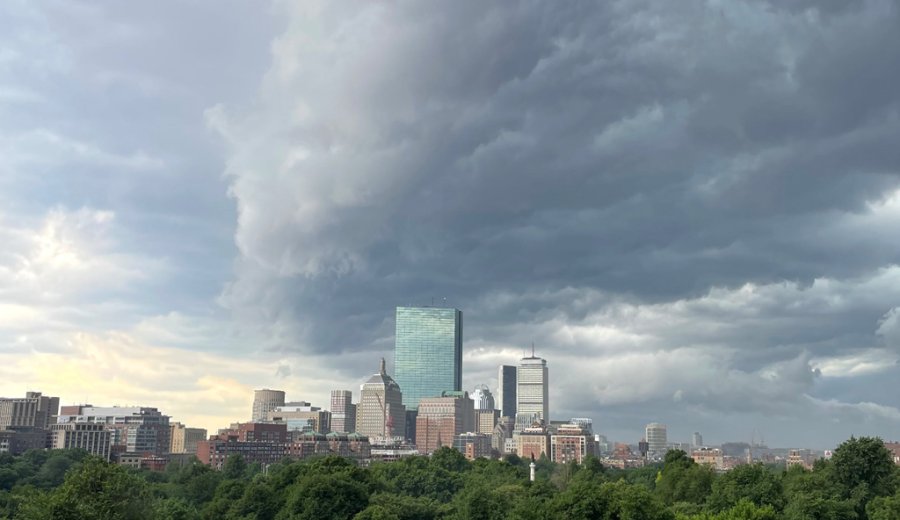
860 482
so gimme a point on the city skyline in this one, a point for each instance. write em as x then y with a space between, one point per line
690 209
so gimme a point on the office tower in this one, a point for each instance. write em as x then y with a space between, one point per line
483 398
133 429
656 437
427 352
32 411
441 419
532 392
183 439
696 440
90 437
343 411
486 420
264 401
506 390
380 413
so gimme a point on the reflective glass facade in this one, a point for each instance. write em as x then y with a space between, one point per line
427 352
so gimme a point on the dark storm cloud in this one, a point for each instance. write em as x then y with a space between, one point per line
549 166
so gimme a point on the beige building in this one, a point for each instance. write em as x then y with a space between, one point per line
184 439
710 457
485 421
264 401
441 419
34 411
380 413
91 437
533 442
343 411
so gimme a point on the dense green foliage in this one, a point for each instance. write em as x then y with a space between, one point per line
859 483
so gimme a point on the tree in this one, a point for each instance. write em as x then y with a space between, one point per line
864 462
683 480
884 508
325 497
751 481
235 467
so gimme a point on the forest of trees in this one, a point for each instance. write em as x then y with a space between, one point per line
859 482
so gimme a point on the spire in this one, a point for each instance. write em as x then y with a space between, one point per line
381 369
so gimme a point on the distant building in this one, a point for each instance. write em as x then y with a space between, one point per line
183 439
533 442
696 440
483 398
502 433
264 401
655 434
803 458
343 411
18 439
585 423
255 442
532 393
506 390
427 352
571 443
473 445
893 447
91 437
133 429
710 457
441 419
485 421
302 417
35 410
380 413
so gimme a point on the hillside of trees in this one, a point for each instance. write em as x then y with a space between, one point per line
859 482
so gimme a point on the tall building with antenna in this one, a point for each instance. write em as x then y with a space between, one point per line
380 412
427 352
532 392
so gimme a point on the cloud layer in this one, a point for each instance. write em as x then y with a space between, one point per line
690 209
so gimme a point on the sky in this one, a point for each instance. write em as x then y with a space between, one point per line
691 209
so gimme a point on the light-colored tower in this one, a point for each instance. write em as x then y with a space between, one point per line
532 392
656 437
380 412
264 401
483 398
343 411
696 440
506 391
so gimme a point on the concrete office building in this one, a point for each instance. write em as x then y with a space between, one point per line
133 429
486 420
183 439
427 352
441 419
32 411
506 390
532 392
655 434
19 439
380 413
91 437
264 401
343 411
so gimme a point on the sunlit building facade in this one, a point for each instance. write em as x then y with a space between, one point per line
427 352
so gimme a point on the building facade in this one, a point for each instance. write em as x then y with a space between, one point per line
183 439
485 421
571 443
91 437
655 434
380 413
532 442
473 445
32 411
264 401
441 419
532 392
343 411
427 352
302 417
133 429
506 390
483 398
696 440
255 442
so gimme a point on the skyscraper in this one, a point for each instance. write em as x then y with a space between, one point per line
656 437
697 440
532 392
264 401
343 411
380 412
427 352
483 398
506 390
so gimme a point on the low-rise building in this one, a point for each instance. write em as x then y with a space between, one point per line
571 443
533 442
91 437
710 457
473 445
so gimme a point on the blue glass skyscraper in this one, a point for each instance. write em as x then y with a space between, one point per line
427 353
